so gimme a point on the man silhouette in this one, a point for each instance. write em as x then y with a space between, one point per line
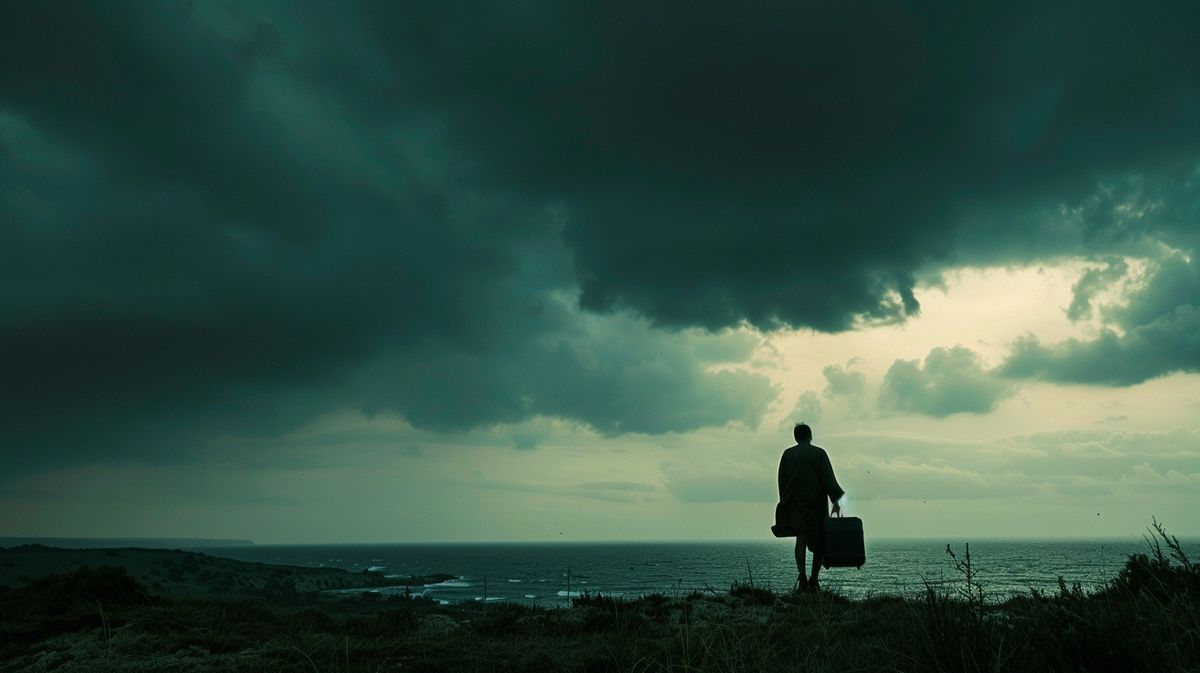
806 481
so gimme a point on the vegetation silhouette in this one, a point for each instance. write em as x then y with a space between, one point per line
1145 618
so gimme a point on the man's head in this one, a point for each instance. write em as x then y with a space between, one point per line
802 433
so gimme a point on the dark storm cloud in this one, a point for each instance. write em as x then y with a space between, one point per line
224 219
799 162
950 381
218 223
1093 281
1156 334
615 373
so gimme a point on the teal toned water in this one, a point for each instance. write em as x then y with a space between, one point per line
539 572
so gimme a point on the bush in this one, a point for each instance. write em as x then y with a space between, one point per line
106 585
402 620
751 594
597 600
505 619
312 619
55 604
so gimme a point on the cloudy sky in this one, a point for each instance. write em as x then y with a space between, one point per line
390 271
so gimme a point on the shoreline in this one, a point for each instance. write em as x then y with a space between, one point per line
194 573
103 619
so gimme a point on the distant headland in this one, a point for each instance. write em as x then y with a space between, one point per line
121 542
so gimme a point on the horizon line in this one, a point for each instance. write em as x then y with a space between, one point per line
17 540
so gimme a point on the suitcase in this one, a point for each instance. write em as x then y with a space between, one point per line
844 546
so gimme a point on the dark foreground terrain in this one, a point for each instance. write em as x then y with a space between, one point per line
103 619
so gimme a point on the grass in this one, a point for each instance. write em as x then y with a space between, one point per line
101 619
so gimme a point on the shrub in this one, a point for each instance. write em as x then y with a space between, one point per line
505 619
597 600
1163 574
105 585
751 594
402 620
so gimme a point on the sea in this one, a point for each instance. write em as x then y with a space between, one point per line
550 574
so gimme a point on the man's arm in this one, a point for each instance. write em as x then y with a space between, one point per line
832 489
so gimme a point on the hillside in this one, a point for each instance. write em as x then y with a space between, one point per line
102 619
178 573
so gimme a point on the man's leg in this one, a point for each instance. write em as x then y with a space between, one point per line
800 560
818 556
